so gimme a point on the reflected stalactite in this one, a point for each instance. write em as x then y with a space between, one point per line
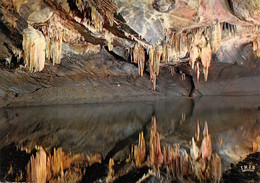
194 150
200 162
178 163
37 168
139 151
256 144
58 167
194 162
206 146
155 153
110 175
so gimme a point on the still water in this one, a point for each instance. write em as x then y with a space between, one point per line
110 129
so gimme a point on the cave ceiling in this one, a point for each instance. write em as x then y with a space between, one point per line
150 33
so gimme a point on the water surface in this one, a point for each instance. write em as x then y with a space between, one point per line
112 128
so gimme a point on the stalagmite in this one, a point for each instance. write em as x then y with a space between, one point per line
34 49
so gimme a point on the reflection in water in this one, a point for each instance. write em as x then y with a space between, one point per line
58 167
111 129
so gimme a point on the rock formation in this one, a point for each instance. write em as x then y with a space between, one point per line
152 34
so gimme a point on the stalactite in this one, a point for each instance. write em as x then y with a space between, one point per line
194 55
165 53
54 50
174 36
158 53
229 29
80 4
256 46
183 45
171 54
110 17
216 36
109 37
198 71
99 10
177 44
205 55
34 49
97 19
56 32
139 57
152 67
